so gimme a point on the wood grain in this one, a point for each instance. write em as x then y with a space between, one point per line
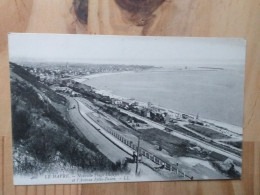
233 18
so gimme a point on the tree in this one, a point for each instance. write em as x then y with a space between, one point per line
21 124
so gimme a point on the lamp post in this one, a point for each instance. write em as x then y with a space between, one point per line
138 145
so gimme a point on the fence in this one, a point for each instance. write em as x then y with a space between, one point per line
143 152
150 156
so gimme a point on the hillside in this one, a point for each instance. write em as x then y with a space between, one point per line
44 140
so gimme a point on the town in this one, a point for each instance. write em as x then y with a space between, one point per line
211 140
50 74
163 139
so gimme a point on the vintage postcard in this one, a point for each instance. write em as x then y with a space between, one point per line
94 109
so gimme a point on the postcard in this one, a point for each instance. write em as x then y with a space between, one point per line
98 109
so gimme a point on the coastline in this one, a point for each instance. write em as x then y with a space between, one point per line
82 79
230 127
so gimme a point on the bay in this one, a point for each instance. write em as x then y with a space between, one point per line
215 94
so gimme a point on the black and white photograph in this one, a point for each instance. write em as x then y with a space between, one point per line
102 109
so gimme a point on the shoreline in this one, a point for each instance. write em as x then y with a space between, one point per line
82 79
230 127
216 122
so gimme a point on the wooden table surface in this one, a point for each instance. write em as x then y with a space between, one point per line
210 18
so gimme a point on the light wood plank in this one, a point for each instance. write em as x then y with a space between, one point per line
41 190
31 190
2 165
8 167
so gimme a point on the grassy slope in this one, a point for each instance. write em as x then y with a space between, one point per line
207 132
43 138
175 146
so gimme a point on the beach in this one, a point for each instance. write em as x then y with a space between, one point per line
212 94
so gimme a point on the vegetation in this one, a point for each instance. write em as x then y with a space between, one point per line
174 145
43 138
207 132
212 142
27 76
237 144
124 118
227 168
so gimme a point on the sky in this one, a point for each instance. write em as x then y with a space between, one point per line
138 50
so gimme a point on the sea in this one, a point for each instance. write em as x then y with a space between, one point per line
210 93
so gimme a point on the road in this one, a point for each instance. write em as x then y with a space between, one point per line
84 110
110 150
187 137
103 144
